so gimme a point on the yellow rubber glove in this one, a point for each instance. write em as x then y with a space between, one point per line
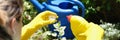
84 30
39 21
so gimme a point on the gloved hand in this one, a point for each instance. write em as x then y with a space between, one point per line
44 18
83 30
39 21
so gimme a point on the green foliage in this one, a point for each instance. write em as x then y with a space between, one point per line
111 32
29 12
44 34
89 5
117 0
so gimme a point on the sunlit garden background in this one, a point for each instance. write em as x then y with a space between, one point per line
106 13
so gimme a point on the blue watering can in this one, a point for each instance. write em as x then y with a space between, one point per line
63 8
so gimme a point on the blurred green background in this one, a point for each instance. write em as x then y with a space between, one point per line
106 13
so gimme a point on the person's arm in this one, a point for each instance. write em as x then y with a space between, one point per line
83 30
38 22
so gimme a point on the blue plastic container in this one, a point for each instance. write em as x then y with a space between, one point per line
63 8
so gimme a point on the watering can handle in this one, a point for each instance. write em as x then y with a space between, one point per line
80 5
38 6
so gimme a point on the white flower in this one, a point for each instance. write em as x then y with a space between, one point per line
54 34
61 30
57 25
64 38
44 35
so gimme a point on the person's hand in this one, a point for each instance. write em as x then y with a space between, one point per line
44 18
83 30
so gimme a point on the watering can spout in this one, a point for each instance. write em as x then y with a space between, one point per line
37 5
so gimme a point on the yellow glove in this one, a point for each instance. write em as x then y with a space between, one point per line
39 21
84 30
